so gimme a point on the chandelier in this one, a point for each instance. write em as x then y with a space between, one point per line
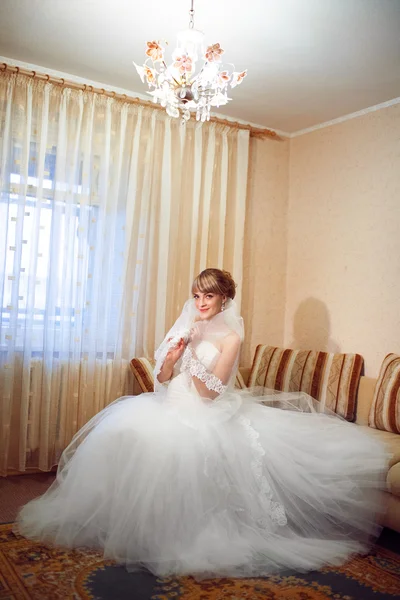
181 87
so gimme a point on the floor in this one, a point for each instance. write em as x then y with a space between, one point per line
372 577
17 490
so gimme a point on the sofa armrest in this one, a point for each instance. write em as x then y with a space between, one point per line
142 369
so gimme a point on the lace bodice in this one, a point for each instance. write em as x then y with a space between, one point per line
208 355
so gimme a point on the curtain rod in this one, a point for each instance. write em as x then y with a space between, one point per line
4 67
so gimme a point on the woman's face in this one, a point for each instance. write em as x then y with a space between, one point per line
208 304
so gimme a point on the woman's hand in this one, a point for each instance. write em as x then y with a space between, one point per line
175 353
172 357
195 334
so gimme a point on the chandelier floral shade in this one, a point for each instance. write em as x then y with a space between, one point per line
181 87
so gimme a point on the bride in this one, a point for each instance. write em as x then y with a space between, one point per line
199 478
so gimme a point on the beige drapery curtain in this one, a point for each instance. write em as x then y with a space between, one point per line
107 212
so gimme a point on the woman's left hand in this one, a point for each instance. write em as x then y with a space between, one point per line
195 334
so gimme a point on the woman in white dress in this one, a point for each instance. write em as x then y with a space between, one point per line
199 478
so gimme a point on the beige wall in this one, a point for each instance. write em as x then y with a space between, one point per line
343 244
264 281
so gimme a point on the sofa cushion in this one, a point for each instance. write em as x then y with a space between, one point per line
142 369
393 480
365 396
391 441
392 517
332 379
245 373
385 409
239 381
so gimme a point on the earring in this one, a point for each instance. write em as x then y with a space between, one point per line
223 306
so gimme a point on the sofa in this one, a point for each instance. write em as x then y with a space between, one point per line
336 380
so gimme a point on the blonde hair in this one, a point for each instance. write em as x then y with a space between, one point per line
216 282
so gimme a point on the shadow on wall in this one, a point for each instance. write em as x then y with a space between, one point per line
312 328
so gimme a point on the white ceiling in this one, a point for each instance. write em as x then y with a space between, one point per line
309 61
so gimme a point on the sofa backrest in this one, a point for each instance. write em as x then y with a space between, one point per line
330 378
142 370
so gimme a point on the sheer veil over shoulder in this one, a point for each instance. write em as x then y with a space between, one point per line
213 331
222 482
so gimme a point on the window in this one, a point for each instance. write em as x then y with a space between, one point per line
50 268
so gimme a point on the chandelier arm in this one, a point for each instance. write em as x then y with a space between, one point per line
199 73
167 69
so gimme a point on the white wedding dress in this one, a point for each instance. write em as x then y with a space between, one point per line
233 487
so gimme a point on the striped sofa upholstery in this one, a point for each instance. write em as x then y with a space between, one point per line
142 369
332 379
385 408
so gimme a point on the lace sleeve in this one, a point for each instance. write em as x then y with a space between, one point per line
196 369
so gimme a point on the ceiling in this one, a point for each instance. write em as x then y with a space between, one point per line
308 61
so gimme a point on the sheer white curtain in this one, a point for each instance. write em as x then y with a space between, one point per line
107 211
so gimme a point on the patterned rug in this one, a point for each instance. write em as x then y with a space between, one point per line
32 571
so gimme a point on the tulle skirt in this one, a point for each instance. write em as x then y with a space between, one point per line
238 487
